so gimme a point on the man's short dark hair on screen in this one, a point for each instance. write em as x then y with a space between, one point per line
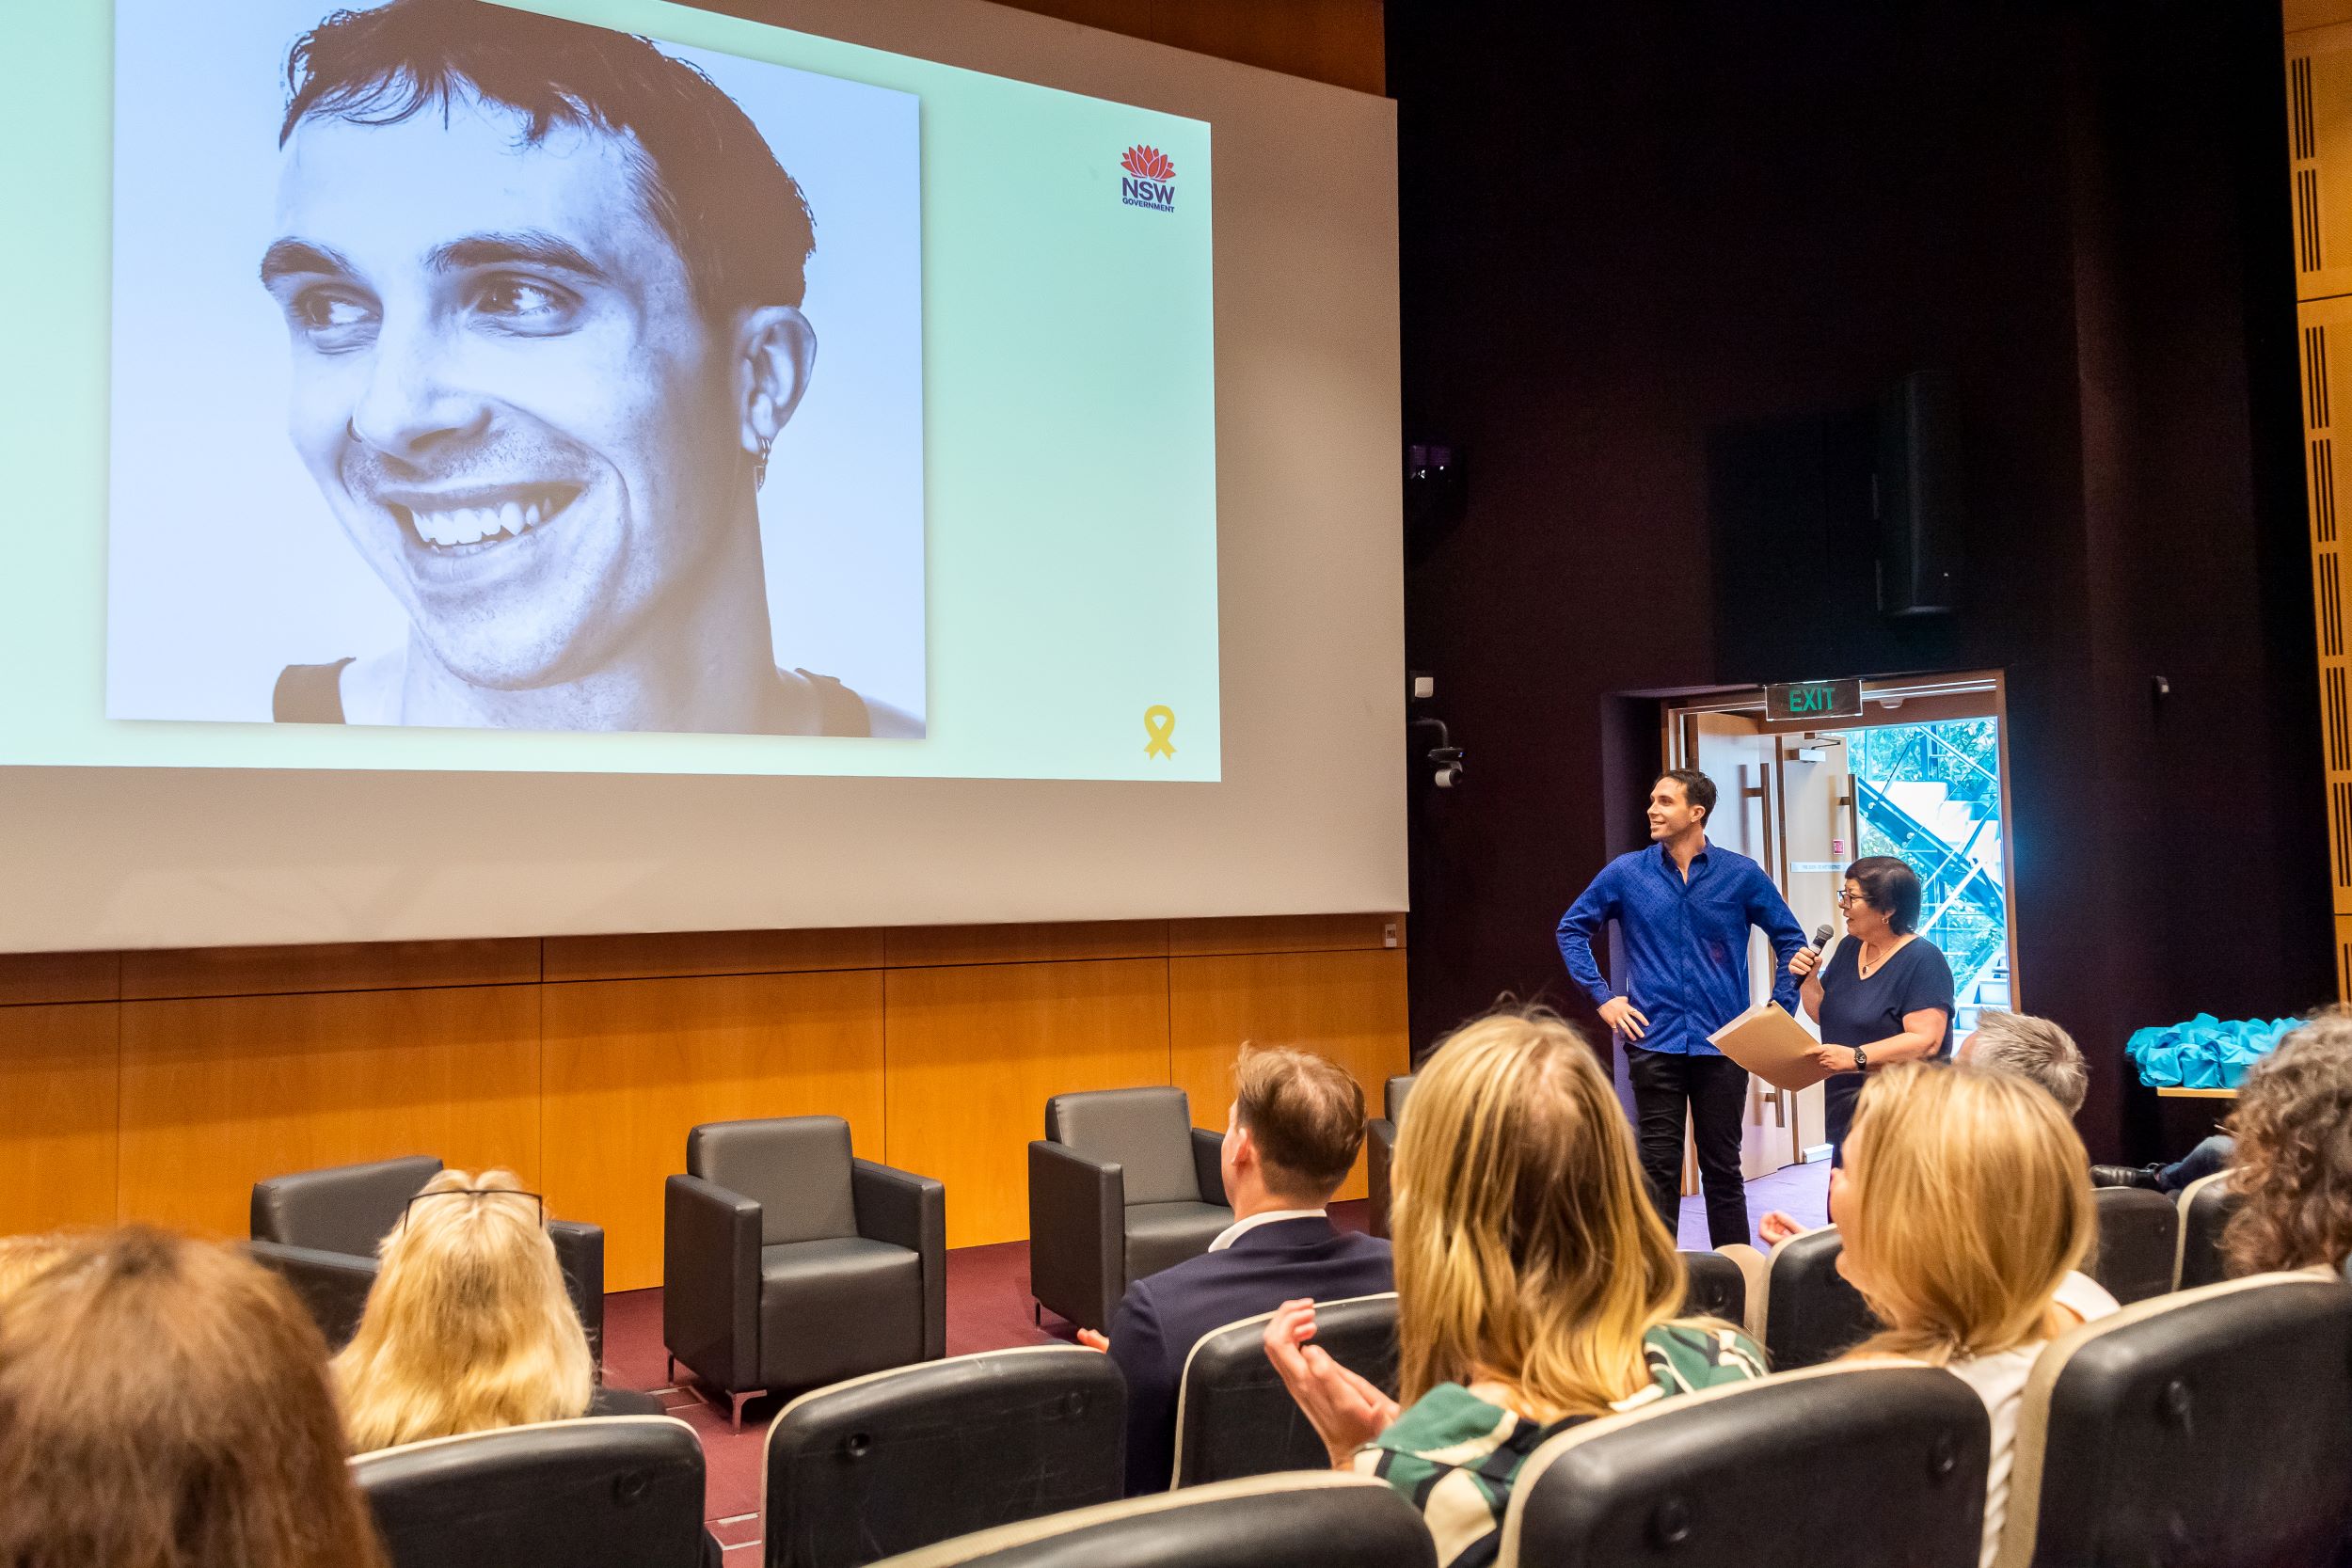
708 177
1698 788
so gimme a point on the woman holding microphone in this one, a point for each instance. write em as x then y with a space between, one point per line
1885 993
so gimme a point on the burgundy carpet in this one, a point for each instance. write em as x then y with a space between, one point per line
988 1308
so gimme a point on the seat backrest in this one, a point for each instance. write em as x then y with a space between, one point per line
346 1209
796 1169
1301 1519
1392 1096
2208 1428
2138 1239
619 1490
1717 1288
2206 1205
1234 1416
904 1457
1148 1132
1811 1315
1893 1461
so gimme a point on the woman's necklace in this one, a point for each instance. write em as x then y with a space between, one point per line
1869 965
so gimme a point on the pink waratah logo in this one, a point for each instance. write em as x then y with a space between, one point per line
1148 162
1148 180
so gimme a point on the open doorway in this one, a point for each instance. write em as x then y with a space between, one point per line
1919 773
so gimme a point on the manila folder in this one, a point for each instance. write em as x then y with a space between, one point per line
1771 1044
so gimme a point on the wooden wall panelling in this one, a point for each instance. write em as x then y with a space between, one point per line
327 967
632 1065
218 1092
1282 933
59 1082
656 954
31 977
1346 1006
930 946
974 1051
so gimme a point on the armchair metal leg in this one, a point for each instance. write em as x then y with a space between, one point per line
1037 1312
671 1375
739 1401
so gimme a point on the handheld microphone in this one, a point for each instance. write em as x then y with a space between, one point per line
1821 936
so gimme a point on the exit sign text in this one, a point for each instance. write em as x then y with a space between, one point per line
1810 699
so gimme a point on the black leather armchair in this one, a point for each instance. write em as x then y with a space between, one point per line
1122 1185
1380 1149
1811 1314
1234 1416
1300 1519
2138 1240
788 1263
321 1229
624 1492
1717 1288
2205 1206
2209 1427
904 1457
1893 1458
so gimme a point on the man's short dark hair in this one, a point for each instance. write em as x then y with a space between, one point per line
708 177
1305 1115
1889 886
1698 788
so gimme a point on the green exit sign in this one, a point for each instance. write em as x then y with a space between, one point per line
1810 699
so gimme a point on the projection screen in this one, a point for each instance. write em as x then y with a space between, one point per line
569 466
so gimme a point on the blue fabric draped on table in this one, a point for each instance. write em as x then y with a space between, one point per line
2204 1053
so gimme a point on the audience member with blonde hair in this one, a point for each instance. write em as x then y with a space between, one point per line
469 1328
1963 1204
23 1258
1536 1286
2294 1159
165 1404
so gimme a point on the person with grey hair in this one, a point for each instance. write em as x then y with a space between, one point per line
2031 1048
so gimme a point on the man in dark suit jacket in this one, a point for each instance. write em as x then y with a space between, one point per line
1292 1135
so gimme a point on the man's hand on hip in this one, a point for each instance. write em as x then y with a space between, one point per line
1624 1017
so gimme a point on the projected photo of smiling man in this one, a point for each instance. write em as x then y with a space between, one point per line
543 287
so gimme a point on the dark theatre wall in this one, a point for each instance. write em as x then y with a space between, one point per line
1630 227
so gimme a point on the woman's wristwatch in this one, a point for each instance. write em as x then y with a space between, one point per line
1861 1060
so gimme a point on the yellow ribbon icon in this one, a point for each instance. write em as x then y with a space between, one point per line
1160 720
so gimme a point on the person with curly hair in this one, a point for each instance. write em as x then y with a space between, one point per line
2293 1164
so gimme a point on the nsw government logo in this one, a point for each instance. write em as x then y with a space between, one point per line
1148 180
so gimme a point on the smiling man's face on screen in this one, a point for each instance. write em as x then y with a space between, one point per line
541 284
504 386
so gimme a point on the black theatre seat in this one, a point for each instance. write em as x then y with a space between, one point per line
901 1459
2207 1429
2205 1206
319 1229
1892 1461
1305 1520
1234 1414
2138 1240
618 1492
1718 1287
1810 1314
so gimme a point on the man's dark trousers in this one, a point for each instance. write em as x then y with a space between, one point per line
1714 1090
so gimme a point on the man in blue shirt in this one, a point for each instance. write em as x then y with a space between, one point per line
1684 907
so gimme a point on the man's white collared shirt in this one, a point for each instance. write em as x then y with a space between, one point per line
1233 1232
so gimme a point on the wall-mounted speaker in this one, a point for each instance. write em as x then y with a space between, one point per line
1916 494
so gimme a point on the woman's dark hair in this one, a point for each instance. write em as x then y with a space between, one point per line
1890 887
707 175
1698 788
